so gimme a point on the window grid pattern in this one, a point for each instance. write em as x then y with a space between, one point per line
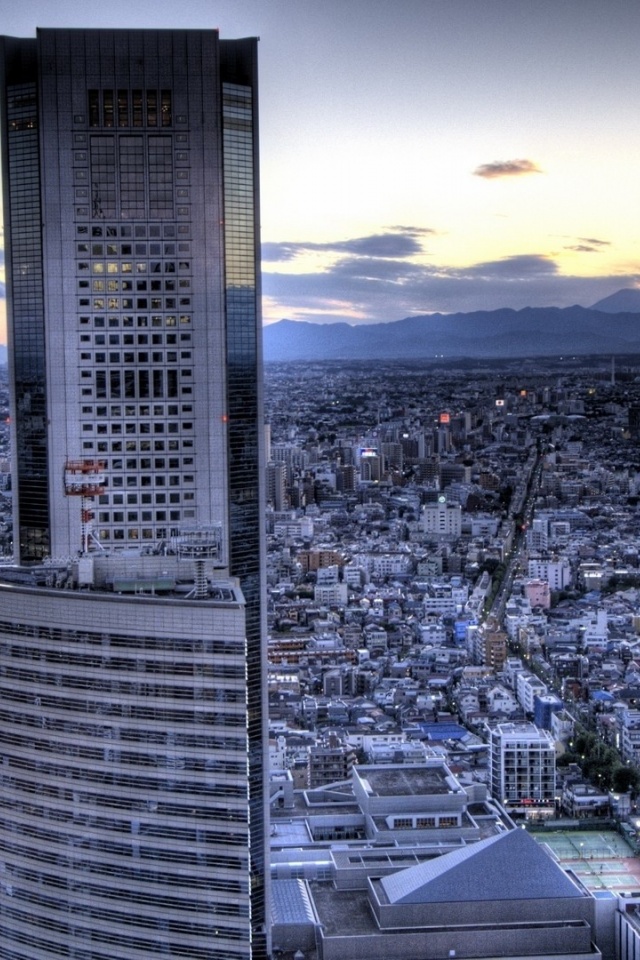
523 770
140 728
123 108
103 177
160 177
123 770
135 357
132 170
31 487
244 419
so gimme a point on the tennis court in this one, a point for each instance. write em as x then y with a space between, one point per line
602 861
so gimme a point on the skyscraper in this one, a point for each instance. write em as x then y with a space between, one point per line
130 173
130 176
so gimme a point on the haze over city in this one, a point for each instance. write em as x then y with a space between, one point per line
321 641
437 157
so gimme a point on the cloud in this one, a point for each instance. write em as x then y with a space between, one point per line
518 267
281 252
365 288
587 245
394 243
378 269
383 245
593 241
506 168
414 231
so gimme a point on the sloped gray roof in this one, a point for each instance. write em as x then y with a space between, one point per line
290 902
509 866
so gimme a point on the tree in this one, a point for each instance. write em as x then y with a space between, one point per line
625 778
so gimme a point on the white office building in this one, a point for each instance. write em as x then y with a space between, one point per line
522 764
442 520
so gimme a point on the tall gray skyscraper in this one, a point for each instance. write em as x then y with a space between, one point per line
130 176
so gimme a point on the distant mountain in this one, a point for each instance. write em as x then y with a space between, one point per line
3 353
624 301
532 332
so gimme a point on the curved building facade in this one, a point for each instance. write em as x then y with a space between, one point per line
124 800
134 800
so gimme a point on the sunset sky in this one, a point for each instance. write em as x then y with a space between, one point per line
428 155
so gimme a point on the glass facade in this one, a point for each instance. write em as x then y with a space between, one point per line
111 307
244 429
123 780
136 348
21 161
135 317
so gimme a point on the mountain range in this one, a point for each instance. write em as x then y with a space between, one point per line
610 326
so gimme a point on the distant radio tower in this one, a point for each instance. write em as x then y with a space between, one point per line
613 371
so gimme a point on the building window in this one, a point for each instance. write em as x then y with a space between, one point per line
94 108
107 106
152 108
123 108
137 108
165 98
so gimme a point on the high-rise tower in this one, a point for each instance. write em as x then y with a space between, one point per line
130 175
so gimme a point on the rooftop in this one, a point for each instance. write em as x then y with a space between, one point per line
414 781
509 866
129 575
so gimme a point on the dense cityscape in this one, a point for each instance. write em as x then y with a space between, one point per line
461 546
321 660
453 578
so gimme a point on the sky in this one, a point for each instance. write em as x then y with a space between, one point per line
427 156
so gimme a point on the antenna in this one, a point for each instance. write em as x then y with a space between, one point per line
200 543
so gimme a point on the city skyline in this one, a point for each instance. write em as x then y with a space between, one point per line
449 157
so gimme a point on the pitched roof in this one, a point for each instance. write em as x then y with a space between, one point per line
290 902
510 866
